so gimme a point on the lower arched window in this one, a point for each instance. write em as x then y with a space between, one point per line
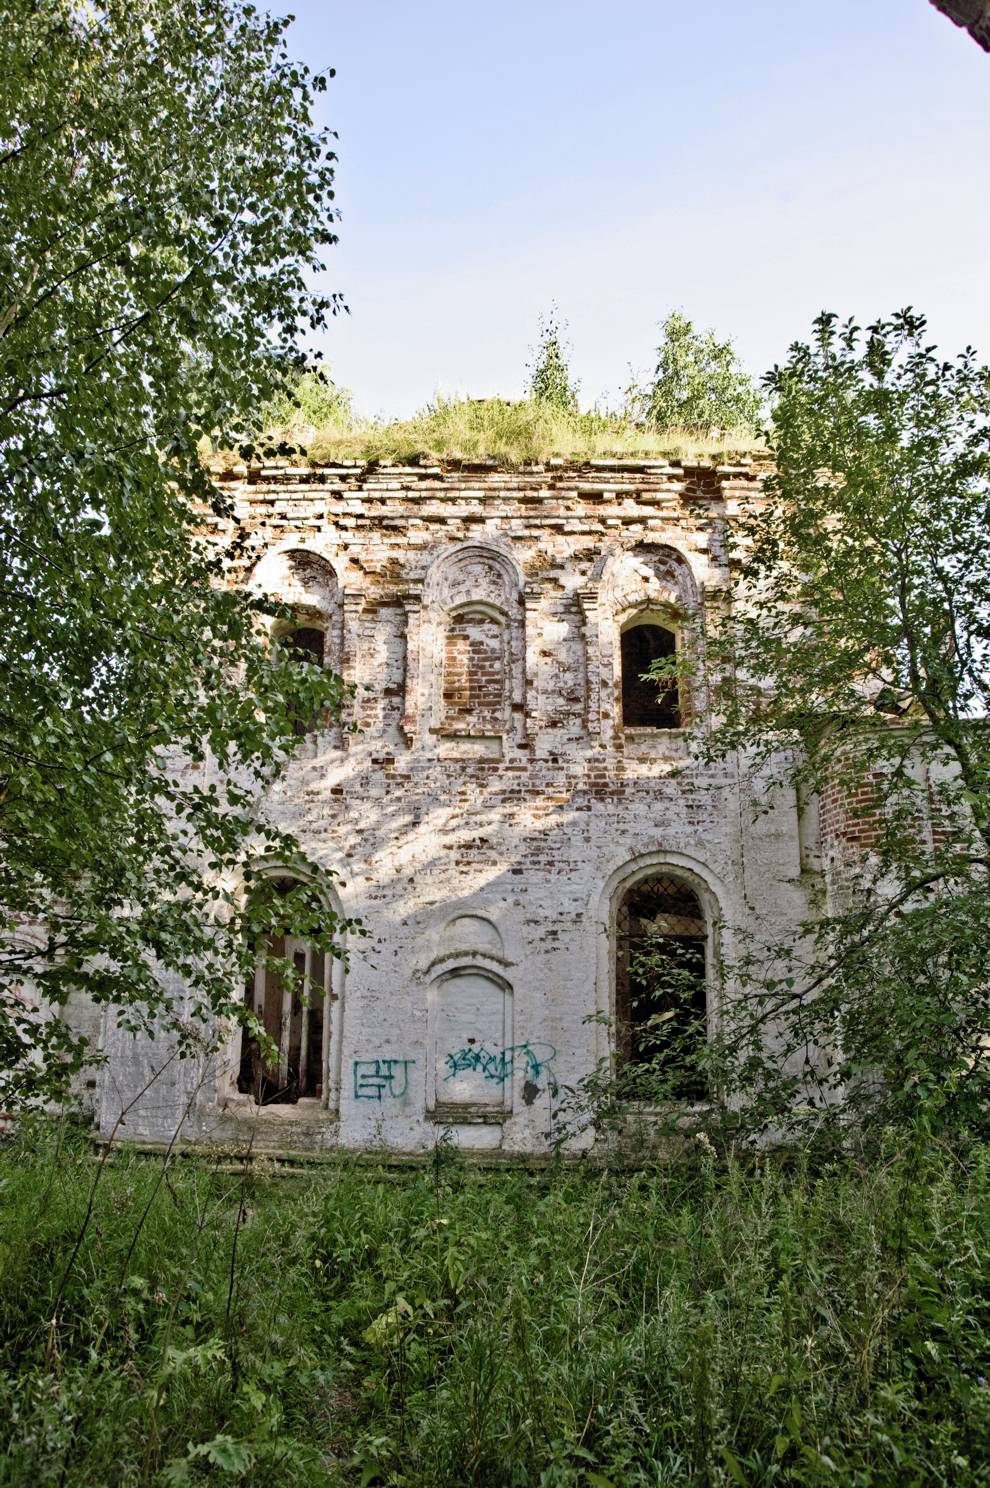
471 1044
646 702
661 978
293 1009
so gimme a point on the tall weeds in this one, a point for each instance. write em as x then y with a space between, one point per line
700 1323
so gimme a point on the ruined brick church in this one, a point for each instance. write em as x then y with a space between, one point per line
511 812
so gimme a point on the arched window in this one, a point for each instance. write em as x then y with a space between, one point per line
647 703
294 1012
661 982
306 643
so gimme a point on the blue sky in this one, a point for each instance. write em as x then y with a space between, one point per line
749 163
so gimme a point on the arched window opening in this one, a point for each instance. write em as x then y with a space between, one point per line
306 644
647 703
474 673
661 983
293 1010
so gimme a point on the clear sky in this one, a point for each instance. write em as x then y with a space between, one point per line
747 161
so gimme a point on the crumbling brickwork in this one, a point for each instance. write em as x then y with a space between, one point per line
492 812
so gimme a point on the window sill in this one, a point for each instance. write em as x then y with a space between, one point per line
647 731
468 1115
656 744
680 1110
308 1108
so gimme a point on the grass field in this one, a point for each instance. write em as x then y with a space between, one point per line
706 1322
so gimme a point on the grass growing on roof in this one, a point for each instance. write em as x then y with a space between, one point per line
511 434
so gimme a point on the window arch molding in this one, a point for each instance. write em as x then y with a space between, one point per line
306 581
472 570
333 1009
646 584
711 895
467 934
471 581
301 577
479 607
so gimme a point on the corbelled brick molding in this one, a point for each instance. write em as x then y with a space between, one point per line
974 15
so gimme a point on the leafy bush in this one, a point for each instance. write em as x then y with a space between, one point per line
852 665
697 384
550 376
310 402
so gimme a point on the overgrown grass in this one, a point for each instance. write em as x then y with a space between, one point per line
511 434
703 1323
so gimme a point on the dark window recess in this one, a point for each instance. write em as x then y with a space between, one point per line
293 1021
660 984
306 644
647 704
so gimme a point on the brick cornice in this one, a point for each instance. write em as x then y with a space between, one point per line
973 15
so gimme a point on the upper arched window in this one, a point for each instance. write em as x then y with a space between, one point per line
293 1009
661 981
646 702
306 643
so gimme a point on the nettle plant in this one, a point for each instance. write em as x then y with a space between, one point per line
166 197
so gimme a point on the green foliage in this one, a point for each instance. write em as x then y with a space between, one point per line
550 377
853 664
701 1322
310 402
164 199
697 384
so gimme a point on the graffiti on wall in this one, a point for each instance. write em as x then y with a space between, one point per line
376 1079
388 1079
499 1065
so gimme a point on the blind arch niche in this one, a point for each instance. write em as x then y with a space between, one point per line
472 659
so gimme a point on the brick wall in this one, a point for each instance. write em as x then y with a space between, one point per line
474 675
491 810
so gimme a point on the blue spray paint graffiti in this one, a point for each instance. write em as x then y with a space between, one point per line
531 1060
376 1078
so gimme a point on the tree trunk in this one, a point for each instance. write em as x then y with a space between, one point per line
973 14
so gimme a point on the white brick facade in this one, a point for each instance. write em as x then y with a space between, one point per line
491 810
